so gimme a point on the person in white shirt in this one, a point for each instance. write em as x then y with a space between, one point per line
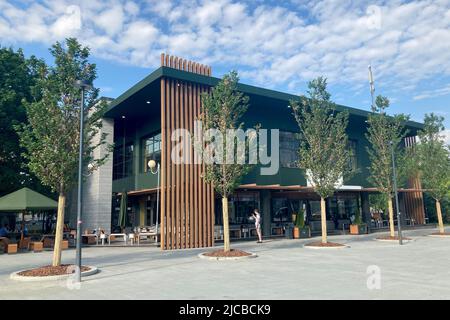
257 218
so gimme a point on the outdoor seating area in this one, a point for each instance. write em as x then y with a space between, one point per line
33 244
127 236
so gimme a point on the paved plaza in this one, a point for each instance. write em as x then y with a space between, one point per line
282 270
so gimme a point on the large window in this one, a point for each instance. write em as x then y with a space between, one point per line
289 148
123 161
353 163
240 208
284 208
152 150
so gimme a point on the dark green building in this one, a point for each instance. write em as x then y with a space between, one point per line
140 123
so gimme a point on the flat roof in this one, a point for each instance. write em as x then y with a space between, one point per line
212 81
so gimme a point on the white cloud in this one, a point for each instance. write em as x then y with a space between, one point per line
433 93
278 44
110 20
68 24
446 136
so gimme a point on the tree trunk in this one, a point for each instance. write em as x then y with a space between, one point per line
59 230
391 217
323 216
226 228
439 216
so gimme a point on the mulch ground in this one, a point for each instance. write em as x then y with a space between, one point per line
395 238
441 234
49 271
231 253
320 244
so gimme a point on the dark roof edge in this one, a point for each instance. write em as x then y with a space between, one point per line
212 81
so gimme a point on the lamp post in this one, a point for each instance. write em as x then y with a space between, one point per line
152 165
83 85
394 173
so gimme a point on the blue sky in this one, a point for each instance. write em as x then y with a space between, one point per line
279 45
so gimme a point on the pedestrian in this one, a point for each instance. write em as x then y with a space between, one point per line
257 218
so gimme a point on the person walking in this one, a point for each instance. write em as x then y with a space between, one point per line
257 218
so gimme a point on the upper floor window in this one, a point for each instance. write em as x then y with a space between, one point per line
152 150
123 161
289 149
352 145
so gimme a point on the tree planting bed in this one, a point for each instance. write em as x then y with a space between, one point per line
233 254
328 245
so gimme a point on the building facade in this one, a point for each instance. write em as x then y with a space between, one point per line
141 121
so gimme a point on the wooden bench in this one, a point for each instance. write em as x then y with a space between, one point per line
11 248
7 246
89 239
36 246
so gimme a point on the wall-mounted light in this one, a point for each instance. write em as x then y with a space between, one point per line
123 117
148 102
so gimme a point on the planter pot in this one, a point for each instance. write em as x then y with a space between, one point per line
302 233
296 233
358 228
305 233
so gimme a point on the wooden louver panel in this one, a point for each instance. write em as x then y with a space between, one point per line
187 201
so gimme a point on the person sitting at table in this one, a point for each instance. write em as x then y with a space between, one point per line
4 231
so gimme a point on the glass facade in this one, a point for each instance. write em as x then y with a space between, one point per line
352 145
123 161
289 148
240 208
152 150
150 212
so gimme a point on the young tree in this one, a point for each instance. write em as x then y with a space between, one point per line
433 159
51 138
383 133
324 152
223 108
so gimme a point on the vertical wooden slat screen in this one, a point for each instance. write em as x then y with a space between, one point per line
187 201
163 158
414 203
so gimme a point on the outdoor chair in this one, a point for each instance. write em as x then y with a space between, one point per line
48 241
24 243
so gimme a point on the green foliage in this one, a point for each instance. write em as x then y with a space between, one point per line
378 202
433 157
223 107
300 220
324 149
383 133
51 138
358 218
17 77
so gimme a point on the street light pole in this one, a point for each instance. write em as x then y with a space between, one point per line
394 173
152 164
83 85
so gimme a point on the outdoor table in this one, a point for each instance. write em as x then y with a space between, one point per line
149 234
123 235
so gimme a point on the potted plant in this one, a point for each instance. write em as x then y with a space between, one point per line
300 230
358 227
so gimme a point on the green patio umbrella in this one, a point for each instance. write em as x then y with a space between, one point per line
24 200
123 211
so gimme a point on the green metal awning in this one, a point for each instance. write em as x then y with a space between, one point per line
26 199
